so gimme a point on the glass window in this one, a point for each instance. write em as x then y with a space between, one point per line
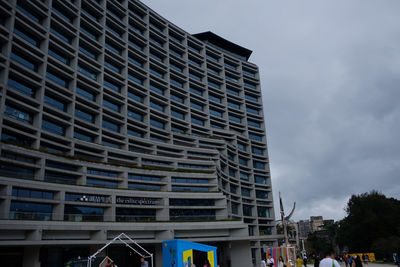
250 85
30 211
194 76
156 57
213 84
84 115
16 171
177 98
233 105
62 36
214 98
56 177
191 214
263 212
27 37
197 121
233 92
257 151
254 123
53 127
111 105
89 33
31 193
213 58
244 176
18 114
255 137
173 52
188 180
260 179
112 86
85 94
230 66
175 67
258 165
196 106
191 202
113 48
111 126
17 157
261 194
135 61
247 210
32 16
241 147
57 56
194 62
87 72
216 113
157 73
249 73
23 61
177 114
196 91
229 78
101 183
112 66
245 192
252 110
157 123
156 89
87 52
235 208
135 133
58 11
174 82
235 119
83 137
135 115
135 79
83 213
149 187
57 79
55 103
22 88
242 161
142 177
136 45
135 97
252 98
135 215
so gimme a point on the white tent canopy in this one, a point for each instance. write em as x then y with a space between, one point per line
143 254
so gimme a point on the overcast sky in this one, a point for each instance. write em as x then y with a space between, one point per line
330 76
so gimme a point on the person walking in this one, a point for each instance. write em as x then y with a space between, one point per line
345 259
281 262
316 259
299 262
358 262
329 260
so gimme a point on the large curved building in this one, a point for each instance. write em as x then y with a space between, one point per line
115 120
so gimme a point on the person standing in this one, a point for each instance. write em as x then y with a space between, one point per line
281 262
305 260
263 263
144 263
329 260
316 260
270 261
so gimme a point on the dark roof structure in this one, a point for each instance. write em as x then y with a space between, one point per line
212 38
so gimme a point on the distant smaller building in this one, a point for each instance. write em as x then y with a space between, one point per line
316 223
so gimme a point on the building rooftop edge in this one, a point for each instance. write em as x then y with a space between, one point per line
223 43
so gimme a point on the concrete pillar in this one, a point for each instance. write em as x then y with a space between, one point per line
157 257
240 254
31 256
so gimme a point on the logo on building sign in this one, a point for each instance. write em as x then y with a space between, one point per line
136 200
95 199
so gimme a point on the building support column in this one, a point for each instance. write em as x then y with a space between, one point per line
31 256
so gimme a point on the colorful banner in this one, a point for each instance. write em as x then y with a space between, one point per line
371 256
287 255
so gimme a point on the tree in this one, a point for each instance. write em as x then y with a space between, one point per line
370 217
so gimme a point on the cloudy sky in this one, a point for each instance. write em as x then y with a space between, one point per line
330 74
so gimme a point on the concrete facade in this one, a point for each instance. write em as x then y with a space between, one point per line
116 120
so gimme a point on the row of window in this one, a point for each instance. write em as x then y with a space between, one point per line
40 211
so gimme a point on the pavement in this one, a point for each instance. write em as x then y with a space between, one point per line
370 264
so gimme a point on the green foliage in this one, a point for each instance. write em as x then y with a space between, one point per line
371 218
317 243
